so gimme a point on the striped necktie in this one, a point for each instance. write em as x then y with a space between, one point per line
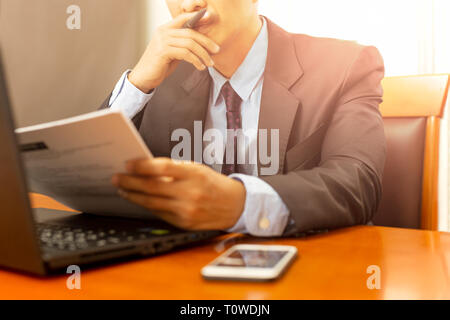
234 122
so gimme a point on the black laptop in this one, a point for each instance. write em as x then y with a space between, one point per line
43 241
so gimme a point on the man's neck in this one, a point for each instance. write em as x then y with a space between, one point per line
234 53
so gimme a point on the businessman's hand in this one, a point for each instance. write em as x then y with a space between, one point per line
169 45
188 195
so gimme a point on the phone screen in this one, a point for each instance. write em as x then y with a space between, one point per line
251 258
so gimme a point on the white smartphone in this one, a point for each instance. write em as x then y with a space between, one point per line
250 262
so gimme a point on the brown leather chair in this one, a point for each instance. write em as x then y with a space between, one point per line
412 111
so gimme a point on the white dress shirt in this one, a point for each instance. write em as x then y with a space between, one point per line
265 213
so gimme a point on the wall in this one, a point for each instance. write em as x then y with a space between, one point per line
158 14
54 72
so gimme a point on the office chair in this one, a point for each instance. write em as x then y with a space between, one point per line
412 111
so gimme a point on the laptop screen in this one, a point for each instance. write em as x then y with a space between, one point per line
15 212
4 102
12 186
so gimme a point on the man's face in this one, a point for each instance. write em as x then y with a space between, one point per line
224 19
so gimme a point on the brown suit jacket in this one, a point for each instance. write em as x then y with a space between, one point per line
323 96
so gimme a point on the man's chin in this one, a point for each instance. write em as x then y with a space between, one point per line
204 29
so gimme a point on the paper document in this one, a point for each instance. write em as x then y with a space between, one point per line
73 161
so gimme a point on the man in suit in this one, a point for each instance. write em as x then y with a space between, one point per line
239 71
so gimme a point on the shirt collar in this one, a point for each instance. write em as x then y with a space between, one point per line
246 77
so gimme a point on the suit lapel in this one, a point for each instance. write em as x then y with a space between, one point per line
191 106
279 105
278 109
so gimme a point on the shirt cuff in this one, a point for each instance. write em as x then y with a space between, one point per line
265 214
127 98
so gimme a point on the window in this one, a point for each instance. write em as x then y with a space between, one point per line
412 35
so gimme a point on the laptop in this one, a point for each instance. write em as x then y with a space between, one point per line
43 241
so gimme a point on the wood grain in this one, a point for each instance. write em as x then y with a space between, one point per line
430 185
415 96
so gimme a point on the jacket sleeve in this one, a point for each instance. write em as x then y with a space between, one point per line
345 188
137 120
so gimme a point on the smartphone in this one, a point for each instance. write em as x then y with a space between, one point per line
251 263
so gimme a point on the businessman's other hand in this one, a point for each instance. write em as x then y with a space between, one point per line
169 45
186 194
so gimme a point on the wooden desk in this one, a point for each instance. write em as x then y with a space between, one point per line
414 265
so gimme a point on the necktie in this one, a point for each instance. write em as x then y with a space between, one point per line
234 122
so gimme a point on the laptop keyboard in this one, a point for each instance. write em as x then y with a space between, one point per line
78 238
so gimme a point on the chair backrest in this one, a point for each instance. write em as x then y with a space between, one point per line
412 110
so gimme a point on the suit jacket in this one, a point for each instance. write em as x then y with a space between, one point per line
323 95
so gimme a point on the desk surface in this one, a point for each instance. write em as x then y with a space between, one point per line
414 265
